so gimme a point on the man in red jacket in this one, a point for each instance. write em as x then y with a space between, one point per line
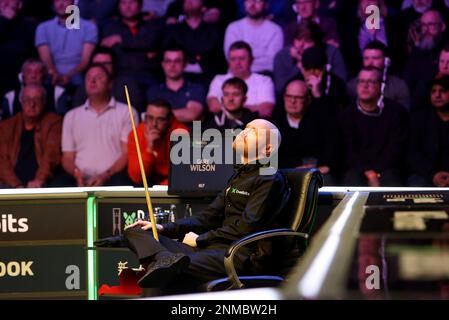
154 139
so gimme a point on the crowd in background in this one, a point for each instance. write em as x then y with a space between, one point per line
366 106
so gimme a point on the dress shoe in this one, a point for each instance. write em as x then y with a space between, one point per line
110 242
163 270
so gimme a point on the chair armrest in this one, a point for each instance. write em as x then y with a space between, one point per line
232 250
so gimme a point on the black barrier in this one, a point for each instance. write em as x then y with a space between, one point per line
42 270
39 220
43 247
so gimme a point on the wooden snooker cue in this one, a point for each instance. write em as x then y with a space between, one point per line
142 170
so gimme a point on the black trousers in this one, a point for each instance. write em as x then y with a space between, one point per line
206 264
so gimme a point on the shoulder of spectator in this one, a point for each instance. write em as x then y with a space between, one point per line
264 80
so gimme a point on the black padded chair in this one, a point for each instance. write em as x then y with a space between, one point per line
295 225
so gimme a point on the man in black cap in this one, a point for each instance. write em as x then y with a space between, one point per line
324 85
428 158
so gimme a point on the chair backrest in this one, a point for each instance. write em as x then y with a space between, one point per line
280 254
300 211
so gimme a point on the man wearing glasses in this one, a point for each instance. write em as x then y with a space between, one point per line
154 139
309 134
426 39
186 98
375 133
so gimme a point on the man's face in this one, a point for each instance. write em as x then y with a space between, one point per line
246 143
295 98
239 62
173 64
60 6
443 64
105 60
257 140
306 9
33 102
129 9
97 82
368 85
255 8
157 118
303 44
431 25
192 6
33 73
233 98
373 58
439 97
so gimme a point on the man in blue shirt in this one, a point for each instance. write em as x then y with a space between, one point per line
65 52
186 98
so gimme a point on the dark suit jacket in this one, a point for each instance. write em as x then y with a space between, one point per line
424 143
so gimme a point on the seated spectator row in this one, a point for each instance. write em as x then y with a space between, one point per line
349 99
371 142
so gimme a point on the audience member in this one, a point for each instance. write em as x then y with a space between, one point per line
186 98
375 55
356 34
136 43
233 115
65 52
30 143
202 41
154 142
309 136
95 136
34 72
264 37
422 63
106 57
374 135
260 96
421 94
326 88
428 155
288 61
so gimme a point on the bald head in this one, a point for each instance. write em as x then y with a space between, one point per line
259 140
431 16
268 128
